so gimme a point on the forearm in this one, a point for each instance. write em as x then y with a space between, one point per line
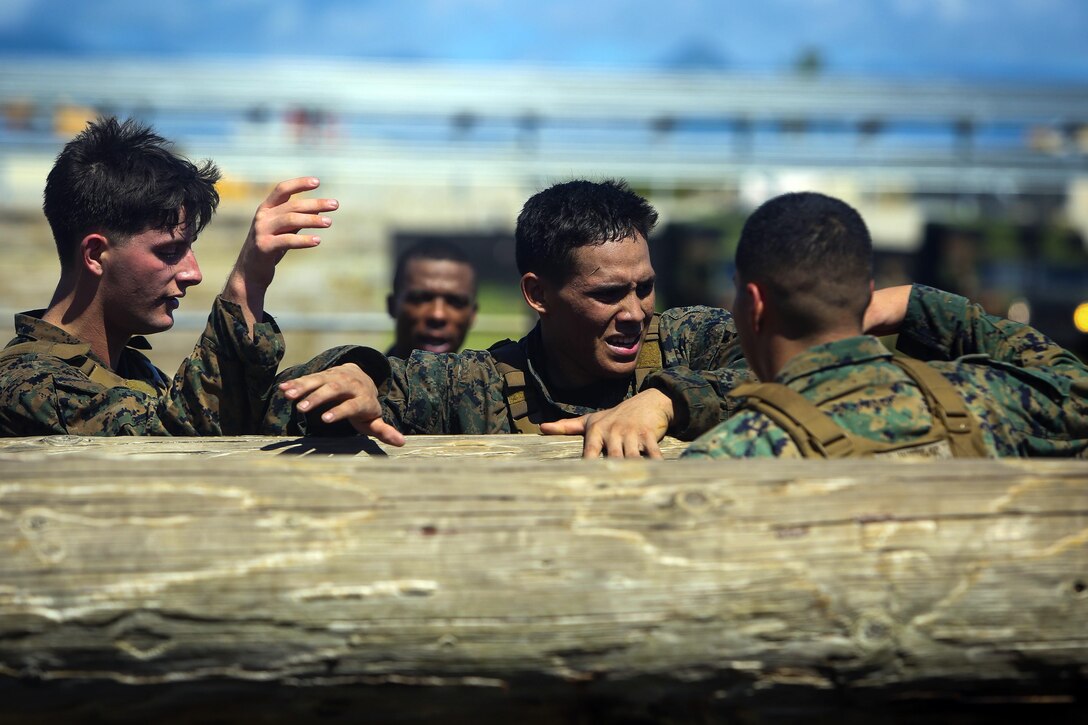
223 384
943 326
886 310
249 297
444 393
700 397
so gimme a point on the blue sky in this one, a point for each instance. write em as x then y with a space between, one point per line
1023 40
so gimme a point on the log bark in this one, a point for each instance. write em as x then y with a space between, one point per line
188 579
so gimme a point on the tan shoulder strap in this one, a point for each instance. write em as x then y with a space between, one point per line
521 399
649 355
78 355
812 430
62 350
946 404
954 432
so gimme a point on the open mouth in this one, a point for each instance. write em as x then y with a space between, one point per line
435 344
623 345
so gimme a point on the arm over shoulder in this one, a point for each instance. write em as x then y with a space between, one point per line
702 363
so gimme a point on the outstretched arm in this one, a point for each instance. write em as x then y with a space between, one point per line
630 430
274 231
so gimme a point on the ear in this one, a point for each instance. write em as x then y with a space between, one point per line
93 248
391 305
535 292
757 309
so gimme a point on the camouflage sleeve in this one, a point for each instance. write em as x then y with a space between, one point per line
702 362
429 393
224 383
438 393
1042 388
943 326
46 396
217 390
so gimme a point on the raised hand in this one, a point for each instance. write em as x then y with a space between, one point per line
274 231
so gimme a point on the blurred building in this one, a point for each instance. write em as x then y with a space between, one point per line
955 180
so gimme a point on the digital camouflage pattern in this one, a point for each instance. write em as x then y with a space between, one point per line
220 389
463 393
1029 395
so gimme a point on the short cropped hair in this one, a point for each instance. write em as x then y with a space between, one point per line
436 249
814 254
575 214
124 179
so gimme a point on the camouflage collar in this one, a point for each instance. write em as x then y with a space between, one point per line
31 326
849 351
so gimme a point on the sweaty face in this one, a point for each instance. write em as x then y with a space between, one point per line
144 278
436 306
596 320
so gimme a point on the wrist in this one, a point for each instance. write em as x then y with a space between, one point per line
662 402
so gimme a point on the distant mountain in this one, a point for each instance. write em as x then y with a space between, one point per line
695 55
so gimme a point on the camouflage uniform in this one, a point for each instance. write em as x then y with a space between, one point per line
1029 395
464 392
219 390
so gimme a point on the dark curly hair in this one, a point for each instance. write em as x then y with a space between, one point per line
124 179
574 214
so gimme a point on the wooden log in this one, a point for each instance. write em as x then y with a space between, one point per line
142 585
529 447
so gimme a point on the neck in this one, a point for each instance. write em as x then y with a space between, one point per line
558 368
779 350
401 351
78 312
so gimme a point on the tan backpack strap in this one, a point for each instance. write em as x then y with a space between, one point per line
814 432
954 431
63 350
649 355
78 355
109 379
948 406
521 398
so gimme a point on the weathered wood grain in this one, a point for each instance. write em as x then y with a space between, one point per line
519 589
529 447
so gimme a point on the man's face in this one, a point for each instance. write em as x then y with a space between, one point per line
436 306
144 278
596 320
